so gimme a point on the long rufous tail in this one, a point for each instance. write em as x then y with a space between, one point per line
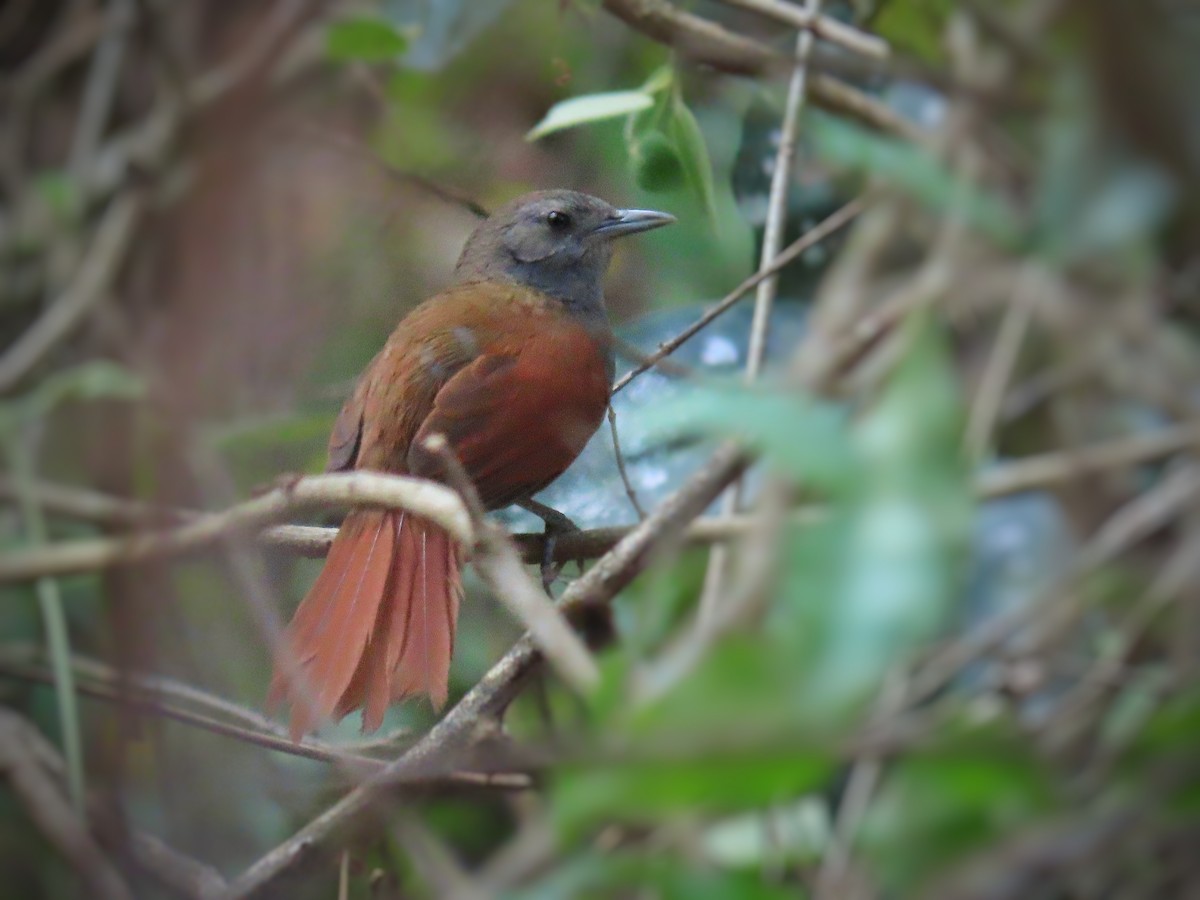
377 625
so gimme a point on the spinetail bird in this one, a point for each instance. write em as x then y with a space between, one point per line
512 364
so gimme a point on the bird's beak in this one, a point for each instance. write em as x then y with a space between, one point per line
631 221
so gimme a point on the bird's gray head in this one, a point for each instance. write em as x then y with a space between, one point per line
558 242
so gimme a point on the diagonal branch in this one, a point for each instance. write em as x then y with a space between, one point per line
496 689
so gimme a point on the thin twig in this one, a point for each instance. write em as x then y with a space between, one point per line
88 505
860 785
101 87
1129 525
359 150
172 869
630 492
810 238
1063 466
764 298
1000 365
443 875
22 751
93 279
137 697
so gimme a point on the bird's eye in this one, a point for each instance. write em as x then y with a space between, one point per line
558 220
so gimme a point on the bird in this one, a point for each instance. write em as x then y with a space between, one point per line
512 364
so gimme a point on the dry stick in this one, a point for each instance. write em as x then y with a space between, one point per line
825 27
496 689
141 700
620 457
811 238
1068 465
1000 365
764 298
23 753
314 541
100 88
704 41
91 282
361 151
90 505
496 560
144 145
861 784
423 498
136 695
185 876
1130 524
1181 569
434 862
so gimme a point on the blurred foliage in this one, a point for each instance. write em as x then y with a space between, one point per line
729 763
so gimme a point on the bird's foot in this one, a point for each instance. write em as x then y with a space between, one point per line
556 524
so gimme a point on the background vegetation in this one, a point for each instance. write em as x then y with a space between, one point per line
938 639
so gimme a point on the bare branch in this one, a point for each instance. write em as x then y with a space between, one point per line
764 296
92 281
825 27
708 43
22 751
424 498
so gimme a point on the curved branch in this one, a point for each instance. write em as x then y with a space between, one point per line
424 498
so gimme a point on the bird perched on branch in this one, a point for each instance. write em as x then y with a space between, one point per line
512 364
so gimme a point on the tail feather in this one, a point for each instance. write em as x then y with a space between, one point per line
378 624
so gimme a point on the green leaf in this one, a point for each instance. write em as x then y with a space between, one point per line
915 171
366 40
693 154
657 166
915 27
652 790
589 108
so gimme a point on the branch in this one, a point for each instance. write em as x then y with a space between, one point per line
825 27
165 698
708 43
91 282
424 498
764 297
67 558
24 756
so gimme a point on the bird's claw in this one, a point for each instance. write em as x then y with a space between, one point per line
556 524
